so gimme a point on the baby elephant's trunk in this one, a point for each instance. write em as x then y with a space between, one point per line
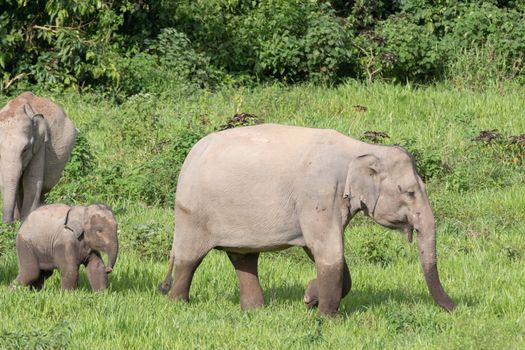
112 251
164 287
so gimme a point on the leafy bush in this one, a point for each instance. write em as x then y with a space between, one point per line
129 47
66 45
485 44
377 249
140 73
176 55
156 178
150 240
78 173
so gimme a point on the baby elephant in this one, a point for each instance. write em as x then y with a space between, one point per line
64 237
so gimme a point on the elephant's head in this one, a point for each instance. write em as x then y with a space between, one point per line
23 133
96 225
386 186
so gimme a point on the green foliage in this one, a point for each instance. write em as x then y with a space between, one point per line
150 240
128 47
158 175
62 43
78 172
480 225
55 337
176 55
379 249
428 162
296 40
7 237
81 163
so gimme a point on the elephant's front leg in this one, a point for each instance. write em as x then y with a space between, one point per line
323 234
96 272
250 289
68 263
69 277
311 294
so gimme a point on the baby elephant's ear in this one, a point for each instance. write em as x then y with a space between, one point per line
75 220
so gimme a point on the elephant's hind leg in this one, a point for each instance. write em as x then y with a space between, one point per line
184 270
38 284
29 272
250 289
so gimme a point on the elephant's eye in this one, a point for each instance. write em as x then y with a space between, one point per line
411 194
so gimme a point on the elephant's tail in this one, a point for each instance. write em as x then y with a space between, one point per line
164 287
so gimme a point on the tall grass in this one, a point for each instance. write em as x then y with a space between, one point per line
476 188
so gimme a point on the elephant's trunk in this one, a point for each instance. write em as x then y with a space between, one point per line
10 180
426 242
112 251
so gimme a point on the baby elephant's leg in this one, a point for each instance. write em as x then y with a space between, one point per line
38 284
96 272
28 266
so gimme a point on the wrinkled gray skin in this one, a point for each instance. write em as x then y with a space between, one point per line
58 236
269 187
36 140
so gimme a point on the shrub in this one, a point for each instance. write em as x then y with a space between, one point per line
379 249
156 178
78 173
484 44
150 240
176 55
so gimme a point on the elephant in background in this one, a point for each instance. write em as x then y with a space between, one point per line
268 187
36 140
64 237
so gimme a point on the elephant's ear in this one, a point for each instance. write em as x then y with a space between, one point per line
75 220
362 183
39 122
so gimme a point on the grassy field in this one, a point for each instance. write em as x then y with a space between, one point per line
477 190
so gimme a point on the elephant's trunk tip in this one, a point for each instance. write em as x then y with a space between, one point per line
447 304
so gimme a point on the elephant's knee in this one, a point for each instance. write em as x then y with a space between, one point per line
27 277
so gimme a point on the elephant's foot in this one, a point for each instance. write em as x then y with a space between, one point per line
164 288
311 295
182 283
254 301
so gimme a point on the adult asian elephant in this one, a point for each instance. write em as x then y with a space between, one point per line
36 140
58 236
269 187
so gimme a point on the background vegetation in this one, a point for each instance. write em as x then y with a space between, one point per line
128 155
144 80
126 47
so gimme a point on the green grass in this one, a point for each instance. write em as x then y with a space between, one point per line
478 195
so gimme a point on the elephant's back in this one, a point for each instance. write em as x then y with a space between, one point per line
262 161
43 222
245 150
